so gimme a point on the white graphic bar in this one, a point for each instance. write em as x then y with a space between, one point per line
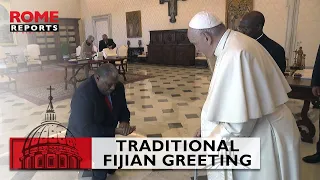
175 153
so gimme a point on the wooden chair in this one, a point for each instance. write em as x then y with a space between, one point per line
8 63
109 52
32 55
123 51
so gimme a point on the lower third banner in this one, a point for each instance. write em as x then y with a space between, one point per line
134 153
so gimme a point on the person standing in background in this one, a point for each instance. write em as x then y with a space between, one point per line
252 24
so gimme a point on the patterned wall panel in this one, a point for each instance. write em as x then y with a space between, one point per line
169 37
155 16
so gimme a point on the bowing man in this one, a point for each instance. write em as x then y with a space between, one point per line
97 107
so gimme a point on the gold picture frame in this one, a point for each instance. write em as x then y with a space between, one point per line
133 21
7 38
235 9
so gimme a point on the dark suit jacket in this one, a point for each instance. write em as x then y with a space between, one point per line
275 50
90 115
316 71
103 44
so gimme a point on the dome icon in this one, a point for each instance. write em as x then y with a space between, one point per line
47 147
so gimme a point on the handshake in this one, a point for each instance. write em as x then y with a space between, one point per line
125 129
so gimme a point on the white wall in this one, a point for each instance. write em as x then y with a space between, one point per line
154 16
308 29
66 8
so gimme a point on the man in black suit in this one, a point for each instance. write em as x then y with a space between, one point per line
252 24
106 43
97 106
315 83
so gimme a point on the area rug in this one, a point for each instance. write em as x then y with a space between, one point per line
33 86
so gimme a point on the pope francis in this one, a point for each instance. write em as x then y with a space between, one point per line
246 98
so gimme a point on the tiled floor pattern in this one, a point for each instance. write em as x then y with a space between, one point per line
167 105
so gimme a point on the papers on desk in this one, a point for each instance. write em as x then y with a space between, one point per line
306 73
78 61
83 61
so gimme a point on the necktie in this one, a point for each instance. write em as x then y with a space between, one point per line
108 103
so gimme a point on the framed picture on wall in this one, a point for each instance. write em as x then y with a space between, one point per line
235 10
7 38
133 20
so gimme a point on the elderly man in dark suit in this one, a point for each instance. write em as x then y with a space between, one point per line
97 106
315 83
106 43
252 24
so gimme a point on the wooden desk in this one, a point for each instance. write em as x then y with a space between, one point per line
301 89
86 65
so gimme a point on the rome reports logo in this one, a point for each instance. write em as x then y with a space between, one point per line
47 147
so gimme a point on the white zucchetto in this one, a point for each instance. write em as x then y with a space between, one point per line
204 20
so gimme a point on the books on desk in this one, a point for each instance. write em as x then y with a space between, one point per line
78 61
73 60
305 74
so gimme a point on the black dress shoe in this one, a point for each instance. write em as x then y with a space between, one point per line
312 158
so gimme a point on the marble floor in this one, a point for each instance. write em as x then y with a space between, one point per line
167 105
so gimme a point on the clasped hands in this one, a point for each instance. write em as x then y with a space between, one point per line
125 129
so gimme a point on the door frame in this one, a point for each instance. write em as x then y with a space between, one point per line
107 17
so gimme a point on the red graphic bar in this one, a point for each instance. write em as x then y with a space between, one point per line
50 153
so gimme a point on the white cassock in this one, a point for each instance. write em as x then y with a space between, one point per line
247 97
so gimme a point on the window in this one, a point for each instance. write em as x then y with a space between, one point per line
73 162
51 161
62 162
40 162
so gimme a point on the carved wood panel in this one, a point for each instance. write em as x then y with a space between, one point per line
156 38
182 38
170 56
155 54
183 53
173 49
169 37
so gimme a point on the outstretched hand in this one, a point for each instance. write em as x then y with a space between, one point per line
125 129
125 126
